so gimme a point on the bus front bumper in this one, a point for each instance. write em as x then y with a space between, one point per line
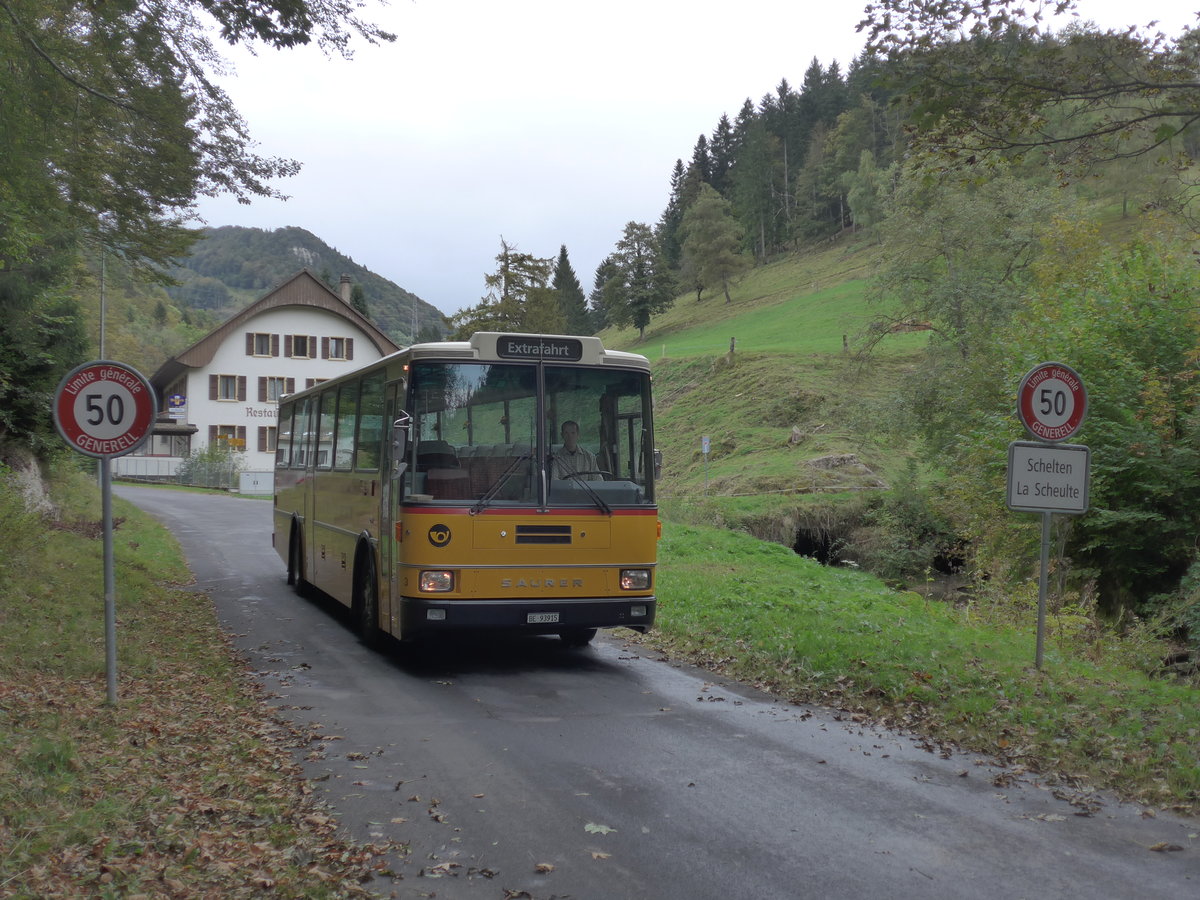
427 615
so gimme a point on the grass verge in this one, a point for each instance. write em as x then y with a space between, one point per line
1091 718
186 787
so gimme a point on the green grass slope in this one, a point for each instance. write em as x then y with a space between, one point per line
793 413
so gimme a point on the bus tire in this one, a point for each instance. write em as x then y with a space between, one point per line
366 602
295 569
577 637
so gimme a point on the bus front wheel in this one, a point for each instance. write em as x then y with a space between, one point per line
577 637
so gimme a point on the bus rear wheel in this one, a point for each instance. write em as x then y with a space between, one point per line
295 569
577 637
366 604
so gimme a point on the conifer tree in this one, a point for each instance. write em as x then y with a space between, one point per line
358 300
641 284
605 306
668 223
571 300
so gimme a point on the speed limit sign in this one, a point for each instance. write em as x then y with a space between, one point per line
1051 401
104 409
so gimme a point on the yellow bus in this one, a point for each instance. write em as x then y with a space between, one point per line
500 483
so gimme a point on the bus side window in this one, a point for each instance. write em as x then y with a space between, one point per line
370 424
325 424
283 444
347 419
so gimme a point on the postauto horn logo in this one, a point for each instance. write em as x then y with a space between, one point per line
439 535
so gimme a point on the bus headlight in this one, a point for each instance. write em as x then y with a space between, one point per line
436 581
635 579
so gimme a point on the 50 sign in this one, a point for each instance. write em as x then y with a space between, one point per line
104 409
1052 402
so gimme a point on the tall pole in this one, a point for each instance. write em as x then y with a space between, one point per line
1043 583
103 301
110 590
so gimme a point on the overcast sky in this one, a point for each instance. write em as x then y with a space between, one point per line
542 121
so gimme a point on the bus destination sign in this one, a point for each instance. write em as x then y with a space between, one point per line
527 347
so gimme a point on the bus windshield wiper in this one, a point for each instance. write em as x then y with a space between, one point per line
591 492
490 494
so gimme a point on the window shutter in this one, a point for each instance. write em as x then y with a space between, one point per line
349 348
309 382
249 343
262 389
274 345
213 382
312 347
324 348
291 386
287 345
262 439
241 435
241 388
212 435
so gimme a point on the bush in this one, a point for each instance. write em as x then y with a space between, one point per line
215 466
20 529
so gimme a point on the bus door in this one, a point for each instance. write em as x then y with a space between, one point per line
391 487
305 434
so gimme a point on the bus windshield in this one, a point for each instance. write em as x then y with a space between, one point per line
529 434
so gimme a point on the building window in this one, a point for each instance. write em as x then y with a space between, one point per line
227 387
261 344
301 346
271 389
267 436
309 382
231 436
337 348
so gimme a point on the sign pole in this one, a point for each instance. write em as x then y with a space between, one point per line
1043 585
105 409
110 590
1048 476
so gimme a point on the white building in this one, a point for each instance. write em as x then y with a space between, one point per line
226 387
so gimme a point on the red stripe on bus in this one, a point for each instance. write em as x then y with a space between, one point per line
509 511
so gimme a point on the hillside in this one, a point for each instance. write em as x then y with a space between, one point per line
800 451
233 266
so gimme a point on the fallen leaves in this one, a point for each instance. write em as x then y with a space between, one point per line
593 828
206 802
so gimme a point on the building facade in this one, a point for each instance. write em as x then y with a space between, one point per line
225 388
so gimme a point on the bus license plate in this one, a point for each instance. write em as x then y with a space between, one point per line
541 618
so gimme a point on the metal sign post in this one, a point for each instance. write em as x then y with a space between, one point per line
1045 476
105 409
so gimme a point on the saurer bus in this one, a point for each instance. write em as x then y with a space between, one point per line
428 491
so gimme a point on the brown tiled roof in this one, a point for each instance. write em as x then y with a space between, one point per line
302 289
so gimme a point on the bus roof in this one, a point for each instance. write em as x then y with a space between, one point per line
494 345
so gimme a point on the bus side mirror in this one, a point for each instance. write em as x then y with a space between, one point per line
400 429
657 464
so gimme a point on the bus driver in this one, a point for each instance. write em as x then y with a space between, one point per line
570 457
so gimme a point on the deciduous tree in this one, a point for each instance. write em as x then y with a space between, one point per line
712 244
111 126
991 76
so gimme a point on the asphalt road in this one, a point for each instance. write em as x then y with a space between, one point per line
633 777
